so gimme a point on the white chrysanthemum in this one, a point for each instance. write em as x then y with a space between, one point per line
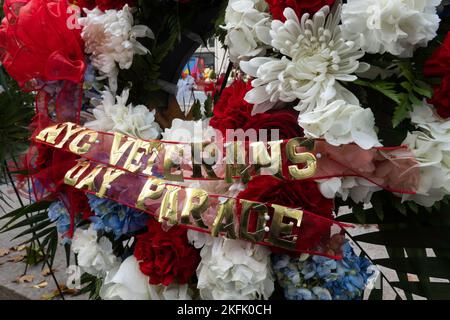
117 116
316 58
358 189
431 147
394 26
127 282
232 269
247 23
341 123
94 256
110 38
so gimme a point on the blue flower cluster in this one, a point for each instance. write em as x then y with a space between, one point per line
58 213
321 278
113 217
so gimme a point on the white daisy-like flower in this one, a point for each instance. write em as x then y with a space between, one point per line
232 269
247 23
431 147
127 282
394 26
341 123
117 116
110 39
94 256
316 58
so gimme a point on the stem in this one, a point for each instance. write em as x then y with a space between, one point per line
37 240
227 75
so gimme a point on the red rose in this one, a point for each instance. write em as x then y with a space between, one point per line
104 4
233 112
439 66
35 42
166 256
302 194
300 7
441 97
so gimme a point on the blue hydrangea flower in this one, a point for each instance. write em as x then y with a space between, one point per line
113 217
321 278
58 213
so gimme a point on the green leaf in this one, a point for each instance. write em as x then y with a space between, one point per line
26 222
39 235
17 214
67 251
402 110
208 107
35 228
406 70
414 100
378 207
423 89
413 206
196 110
384 87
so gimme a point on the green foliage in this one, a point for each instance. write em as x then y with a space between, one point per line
406 90
407 230
92 285
384 87
197 110
208 107
16 111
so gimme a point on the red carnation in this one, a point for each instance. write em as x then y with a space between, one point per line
36 43
302 194
439 66
166 256
103 4
300 7
233 112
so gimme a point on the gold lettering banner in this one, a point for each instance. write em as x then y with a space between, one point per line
393 169
262 223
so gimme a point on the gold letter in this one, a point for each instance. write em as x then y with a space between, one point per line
69 133
50 134
88 181
133 162
195 209
169 205
304 157
73 146
198 161
81 167
235 162
110 175
155 147
225 212
278 227
271 164
169 164
118 150
262 210
153 189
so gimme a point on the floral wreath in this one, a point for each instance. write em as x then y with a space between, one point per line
360 87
